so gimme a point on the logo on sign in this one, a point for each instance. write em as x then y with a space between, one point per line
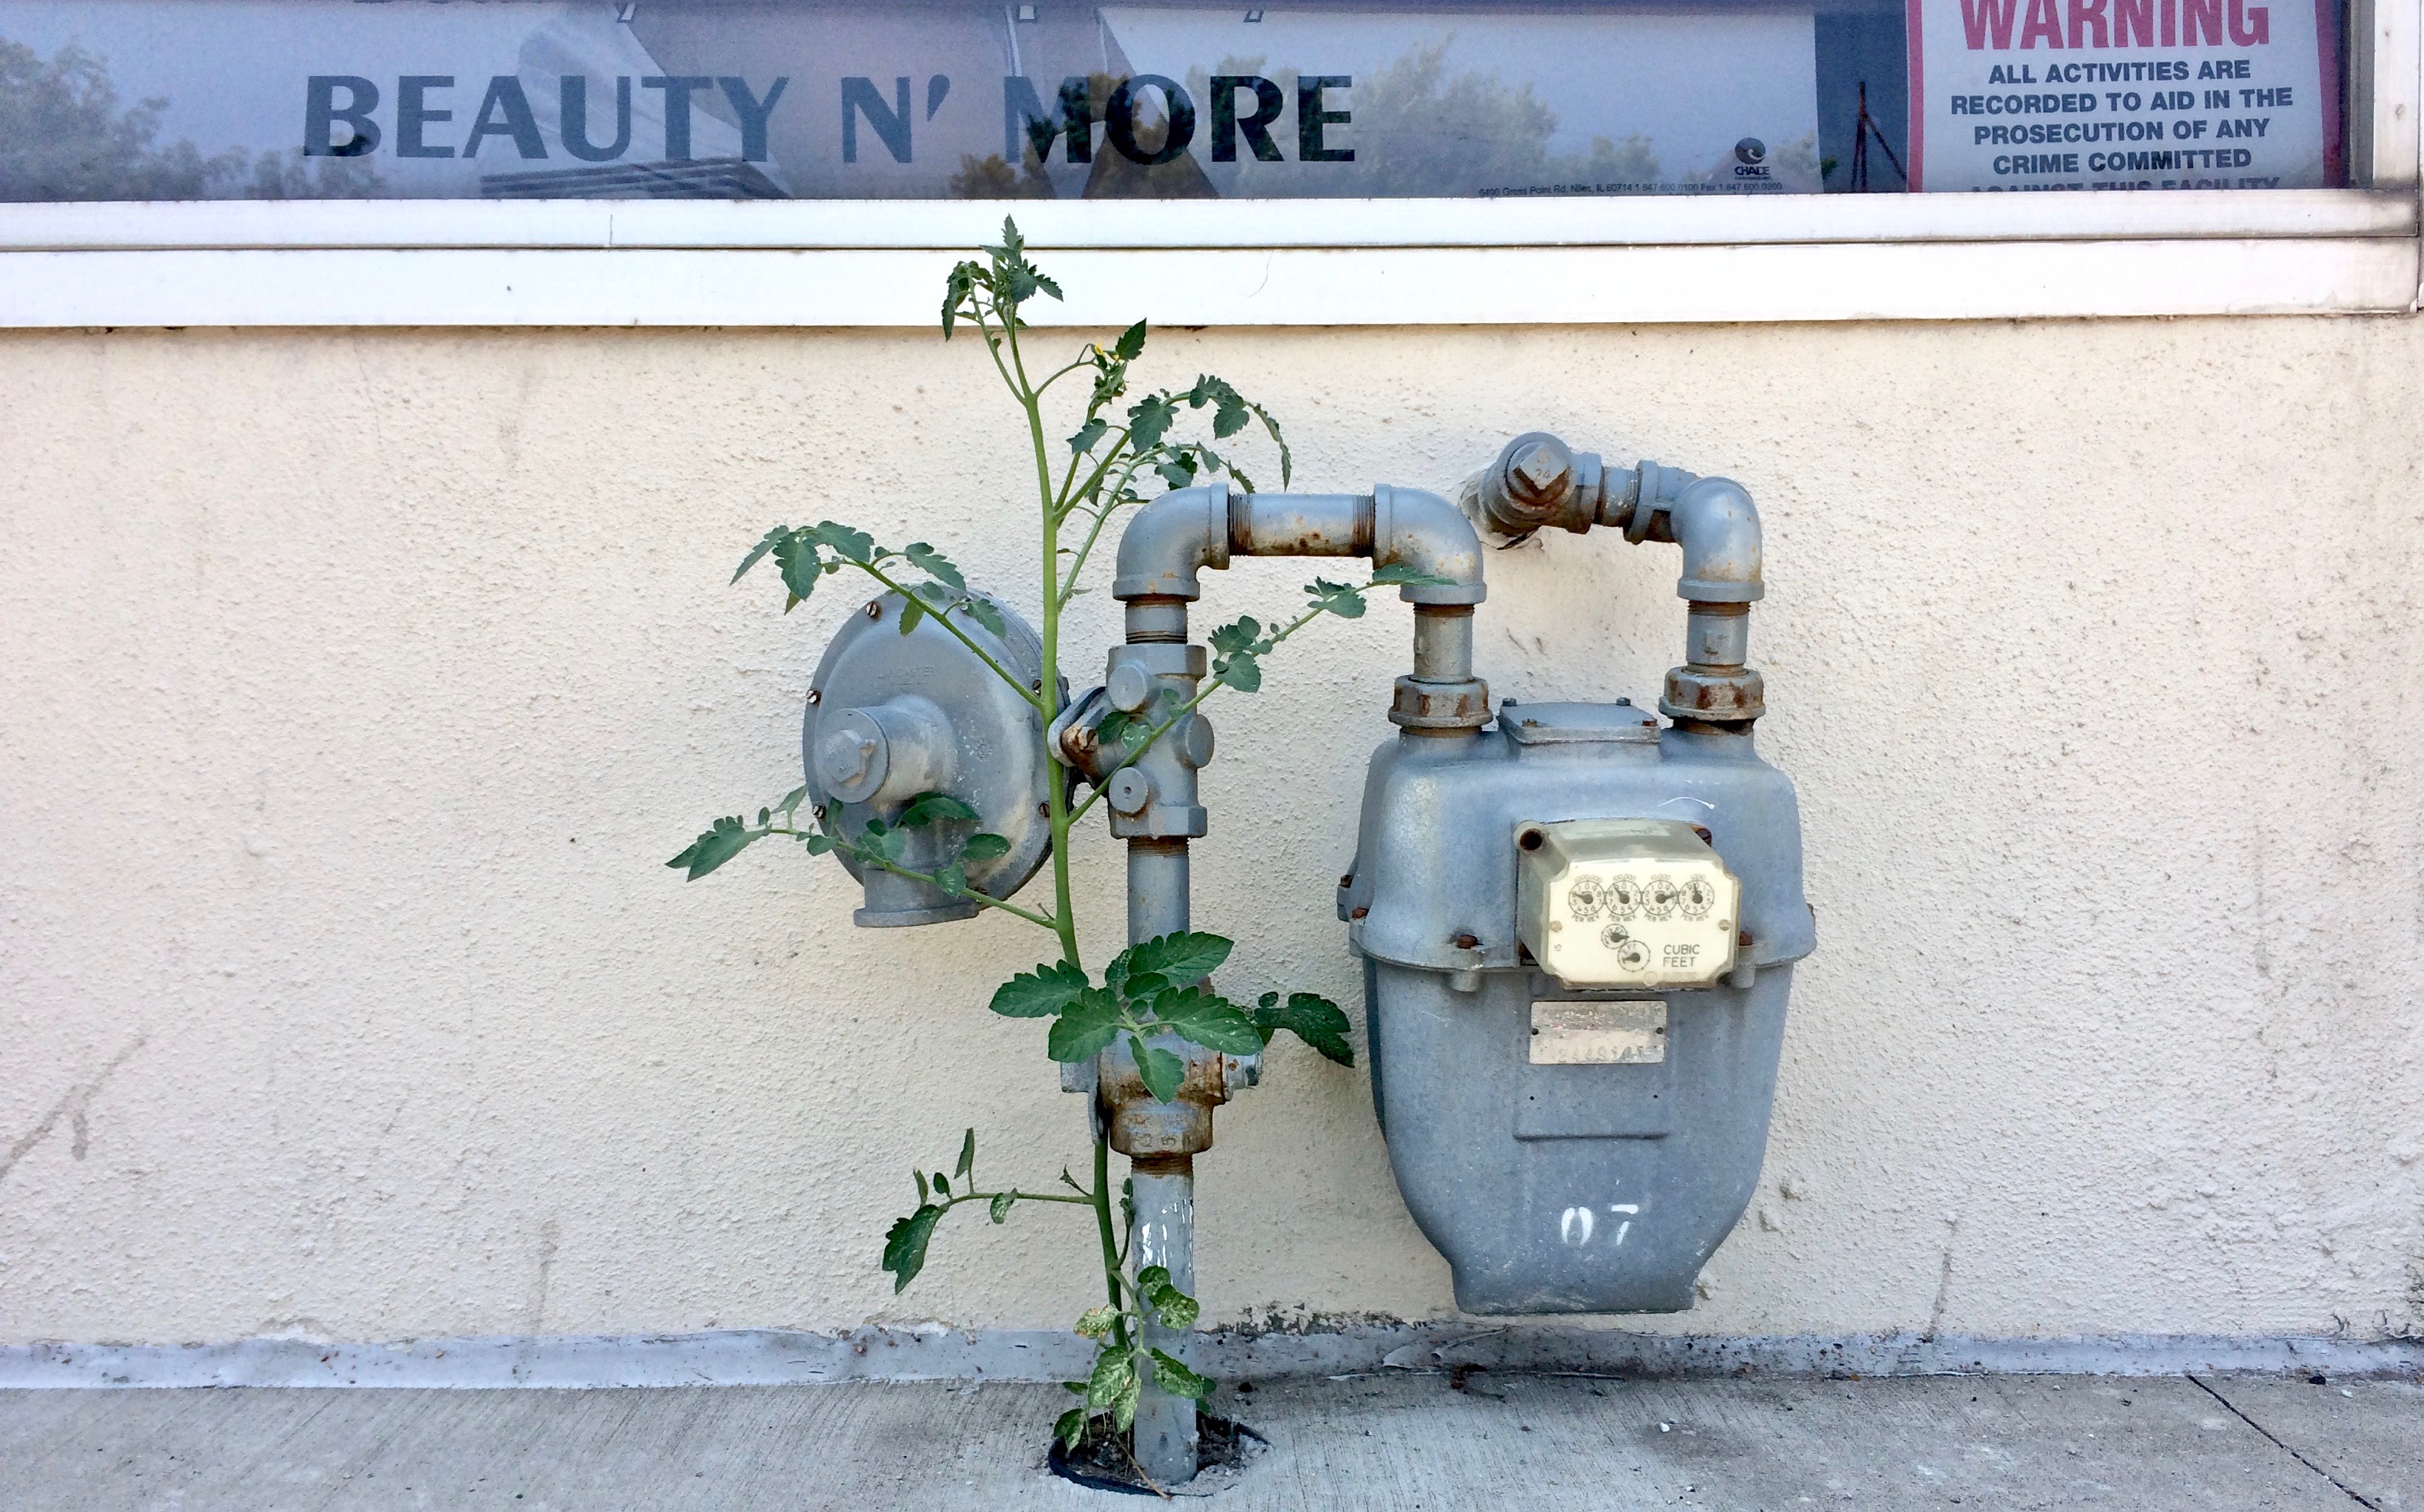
1750 159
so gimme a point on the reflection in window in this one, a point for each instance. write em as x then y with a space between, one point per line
934 99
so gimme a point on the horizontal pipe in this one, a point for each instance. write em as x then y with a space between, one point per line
1300 524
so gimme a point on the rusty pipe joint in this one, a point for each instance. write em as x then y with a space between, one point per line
1141 1126
1717 526
1537 480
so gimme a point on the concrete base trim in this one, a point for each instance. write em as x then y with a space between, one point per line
773 1357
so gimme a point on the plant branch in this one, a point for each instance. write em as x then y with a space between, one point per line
870 858
944 619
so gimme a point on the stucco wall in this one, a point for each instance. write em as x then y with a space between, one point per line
357 686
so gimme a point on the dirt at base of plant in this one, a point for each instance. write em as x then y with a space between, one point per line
1102 1460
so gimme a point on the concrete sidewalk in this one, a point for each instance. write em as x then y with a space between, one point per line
1405 1442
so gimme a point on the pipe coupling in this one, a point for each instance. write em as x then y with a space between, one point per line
1141 1126
1440 706
1735 695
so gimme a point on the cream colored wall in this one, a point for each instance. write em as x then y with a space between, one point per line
357 686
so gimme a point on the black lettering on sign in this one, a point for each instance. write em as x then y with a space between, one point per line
321 115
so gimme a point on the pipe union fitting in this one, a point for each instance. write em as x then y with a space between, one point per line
1717 698
1440 706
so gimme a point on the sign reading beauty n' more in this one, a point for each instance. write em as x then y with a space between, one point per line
2124 94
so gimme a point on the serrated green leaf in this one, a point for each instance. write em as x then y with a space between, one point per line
1315 1020
983 847
1149 421
796 554
904 1246
1175 1379
850 545
1230 418
1131 343
1208 1020
1041 992
883 844
1087 435
1084 1027
985 615
928 807
1162 1073
935 566
772 539
968 1155
723 840
1071 1429
1180 960
1097 1321
999 1208
1179 471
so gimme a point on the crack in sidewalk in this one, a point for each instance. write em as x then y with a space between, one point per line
2343 1488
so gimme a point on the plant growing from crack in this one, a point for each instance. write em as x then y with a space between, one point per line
1125 443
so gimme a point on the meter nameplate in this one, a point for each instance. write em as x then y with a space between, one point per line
1626 903
1629 1033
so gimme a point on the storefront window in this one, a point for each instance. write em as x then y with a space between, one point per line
938 98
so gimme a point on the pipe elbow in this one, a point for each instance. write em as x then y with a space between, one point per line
1717 526
1172 539
1423 532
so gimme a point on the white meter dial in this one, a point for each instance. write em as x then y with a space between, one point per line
1626 903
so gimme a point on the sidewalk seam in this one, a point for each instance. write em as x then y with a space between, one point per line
2342 1486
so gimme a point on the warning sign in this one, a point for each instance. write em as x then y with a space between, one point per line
2124 94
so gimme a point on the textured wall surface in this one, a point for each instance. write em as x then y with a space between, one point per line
357 686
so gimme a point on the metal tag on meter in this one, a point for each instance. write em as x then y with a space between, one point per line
1625 1033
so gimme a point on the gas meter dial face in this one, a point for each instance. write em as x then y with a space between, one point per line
1626 903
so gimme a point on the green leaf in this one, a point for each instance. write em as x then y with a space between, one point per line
1088 435
1150 420
942 1186
981 847
1178 960
791 801
796 554
1240 670
818 844
951 878
773 538
919 1177
1085 1027
1396 574
1317 1020
1151 1277
1041 992
968 1155
1071 1428
883 844
1241 634
1210 1020
985 615
855 546
1179 471
1131 343
999 1209
929 806
904 1246
935 566
1161 1071
1342 599
1177 1379
911 612
1096 1321
727 837
1124 1411
1114 1374
1173 1308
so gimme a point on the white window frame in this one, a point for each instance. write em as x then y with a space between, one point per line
1268 263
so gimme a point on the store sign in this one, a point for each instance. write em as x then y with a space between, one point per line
422 98
2124 94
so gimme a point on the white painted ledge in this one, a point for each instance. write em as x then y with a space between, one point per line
1278 286
1315 263
773 1357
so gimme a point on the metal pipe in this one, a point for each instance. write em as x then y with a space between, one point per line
1443 642
1717 526
1158 884
1163 1234
1300 524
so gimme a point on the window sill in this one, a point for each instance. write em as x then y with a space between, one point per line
1539 261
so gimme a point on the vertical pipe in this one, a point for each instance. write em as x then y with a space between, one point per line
1163 1234
1163 1229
